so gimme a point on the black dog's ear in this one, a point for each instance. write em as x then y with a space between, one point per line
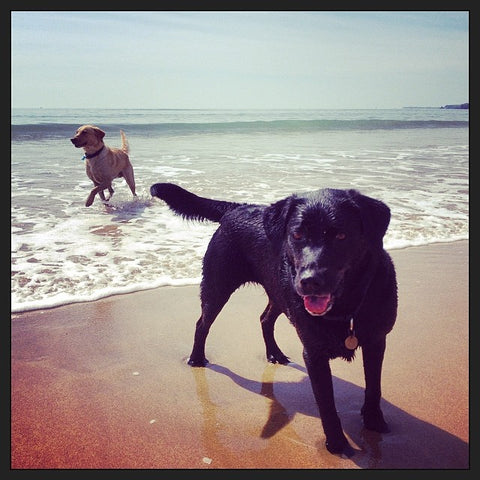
276 216
375 217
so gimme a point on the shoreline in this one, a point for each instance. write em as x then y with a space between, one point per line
105 384
19 311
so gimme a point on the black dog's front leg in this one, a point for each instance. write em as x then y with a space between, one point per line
318 368
372 364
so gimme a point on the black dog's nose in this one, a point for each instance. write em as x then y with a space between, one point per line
310 284
311 281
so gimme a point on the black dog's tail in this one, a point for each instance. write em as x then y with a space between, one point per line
190 206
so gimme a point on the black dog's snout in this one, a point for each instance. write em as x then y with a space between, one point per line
309 282
312 281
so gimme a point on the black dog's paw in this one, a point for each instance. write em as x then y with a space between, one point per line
373 420
278 358
340 446
198 362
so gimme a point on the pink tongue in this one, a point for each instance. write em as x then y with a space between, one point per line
316 304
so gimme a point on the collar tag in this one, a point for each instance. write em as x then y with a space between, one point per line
351 342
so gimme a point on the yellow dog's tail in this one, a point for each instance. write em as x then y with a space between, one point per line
125 146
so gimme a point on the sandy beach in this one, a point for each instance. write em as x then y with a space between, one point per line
105 384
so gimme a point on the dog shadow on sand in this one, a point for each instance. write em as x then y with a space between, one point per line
411 444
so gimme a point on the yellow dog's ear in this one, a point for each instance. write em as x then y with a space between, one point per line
98 132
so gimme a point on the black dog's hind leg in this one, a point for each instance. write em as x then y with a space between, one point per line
267 320
372 364
209 314
214 294
222 275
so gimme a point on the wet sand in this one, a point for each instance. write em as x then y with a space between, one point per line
105 384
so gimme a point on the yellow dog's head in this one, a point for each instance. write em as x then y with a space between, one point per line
88 136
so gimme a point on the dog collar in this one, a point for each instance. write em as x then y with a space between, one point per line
94 154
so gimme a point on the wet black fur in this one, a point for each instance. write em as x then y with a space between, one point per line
323 241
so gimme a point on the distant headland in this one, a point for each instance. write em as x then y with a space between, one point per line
462 106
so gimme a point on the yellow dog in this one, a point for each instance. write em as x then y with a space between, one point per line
103 163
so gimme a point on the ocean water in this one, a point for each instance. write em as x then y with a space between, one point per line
416 160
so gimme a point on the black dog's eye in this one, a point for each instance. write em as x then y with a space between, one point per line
340 236
297 235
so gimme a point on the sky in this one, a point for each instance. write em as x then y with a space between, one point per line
239 59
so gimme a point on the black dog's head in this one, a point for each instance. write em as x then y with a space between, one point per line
324 234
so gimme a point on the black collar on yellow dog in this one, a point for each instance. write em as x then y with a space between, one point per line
94 154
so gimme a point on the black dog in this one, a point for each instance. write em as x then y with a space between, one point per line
321 260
